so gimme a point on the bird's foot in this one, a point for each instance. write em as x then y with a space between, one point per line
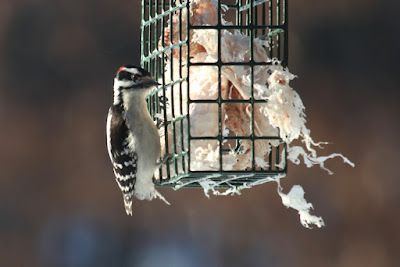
160 123
165 159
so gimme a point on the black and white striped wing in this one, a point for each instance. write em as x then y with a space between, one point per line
124 160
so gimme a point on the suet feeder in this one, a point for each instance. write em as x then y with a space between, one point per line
209 57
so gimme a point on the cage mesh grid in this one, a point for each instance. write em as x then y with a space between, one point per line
265 19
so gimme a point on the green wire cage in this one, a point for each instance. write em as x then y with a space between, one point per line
167 31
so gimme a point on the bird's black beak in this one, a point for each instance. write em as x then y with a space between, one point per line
156 83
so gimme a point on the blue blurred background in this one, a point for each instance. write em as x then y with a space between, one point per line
60 206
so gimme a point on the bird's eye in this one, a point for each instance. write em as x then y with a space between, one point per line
136 76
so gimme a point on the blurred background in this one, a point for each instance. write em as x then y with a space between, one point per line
60 206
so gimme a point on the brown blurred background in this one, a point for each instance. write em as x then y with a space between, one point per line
60 206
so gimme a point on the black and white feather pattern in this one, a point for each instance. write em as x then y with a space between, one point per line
123 159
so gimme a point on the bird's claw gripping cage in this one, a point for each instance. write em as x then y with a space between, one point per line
168 28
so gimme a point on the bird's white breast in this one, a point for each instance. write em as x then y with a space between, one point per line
143 137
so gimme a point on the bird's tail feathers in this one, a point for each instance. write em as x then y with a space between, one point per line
128 204
161 197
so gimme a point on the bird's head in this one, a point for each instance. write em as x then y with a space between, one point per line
132 80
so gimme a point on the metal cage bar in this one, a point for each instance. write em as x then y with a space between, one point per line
266 19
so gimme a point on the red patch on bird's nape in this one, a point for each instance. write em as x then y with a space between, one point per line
121 68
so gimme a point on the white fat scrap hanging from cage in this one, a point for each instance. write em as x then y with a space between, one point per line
283 107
